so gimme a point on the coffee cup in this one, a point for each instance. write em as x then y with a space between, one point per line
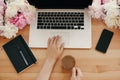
68 62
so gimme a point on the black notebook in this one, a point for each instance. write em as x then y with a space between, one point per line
19 53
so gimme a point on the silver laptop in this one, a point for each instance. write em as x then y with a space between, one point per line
71 21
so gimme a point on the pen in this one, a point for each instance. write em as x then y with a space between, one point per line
22 55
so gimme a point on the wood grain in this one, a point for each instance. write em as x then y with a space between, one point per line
94 65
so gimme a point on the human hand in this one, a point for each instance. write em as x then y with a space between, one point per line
76 74
55 48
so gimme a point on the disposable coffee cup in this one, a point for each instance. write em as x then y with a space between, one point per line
68 62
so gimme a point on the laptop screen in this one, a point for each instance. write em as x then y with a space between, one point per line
60 4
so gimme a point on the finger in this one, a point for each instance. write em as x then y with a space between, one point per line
61 47
79 72
49 40
58 41
55 41
52 40
74 72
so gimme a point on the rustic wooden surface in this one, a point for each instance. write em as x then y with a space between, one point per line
94 65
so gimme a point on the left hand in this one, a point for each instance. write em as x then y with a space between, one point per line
76 74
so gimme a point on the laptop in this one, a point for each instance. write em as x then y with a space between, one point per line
66 18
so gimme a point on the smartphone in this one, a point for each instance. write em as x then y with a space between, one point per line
104 40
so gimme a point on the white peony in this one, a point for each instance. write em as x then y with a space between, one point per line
112 22
96 11
28 10
11 10
9 30
13 7
24 7
112 18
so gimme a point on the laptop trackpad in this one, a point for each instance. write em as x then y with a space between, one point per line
64 36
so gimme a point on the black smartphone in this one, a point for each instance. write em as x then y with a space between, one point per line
104 40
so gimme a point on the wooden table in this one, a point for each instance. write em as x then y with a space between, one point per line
94 65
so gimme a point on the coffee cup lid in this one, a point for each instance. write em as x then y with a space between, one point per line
68 62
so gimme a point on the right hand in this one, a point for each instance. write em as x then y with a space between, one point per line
55 48
76 74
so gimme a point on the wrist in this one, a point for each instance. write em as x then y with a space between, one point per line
51 61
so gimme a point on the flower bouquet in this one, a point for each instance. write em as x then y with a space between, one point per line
14 16
107 10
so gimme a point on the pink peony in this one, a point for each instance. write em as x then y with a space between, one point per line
104 1
2 11
29 17
3 7
19 21
1 20
14 20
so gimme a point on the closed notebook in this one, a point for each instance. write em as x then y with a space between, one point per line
19 53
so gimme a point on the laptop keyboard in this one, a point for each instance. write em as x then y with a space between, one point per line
60 20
